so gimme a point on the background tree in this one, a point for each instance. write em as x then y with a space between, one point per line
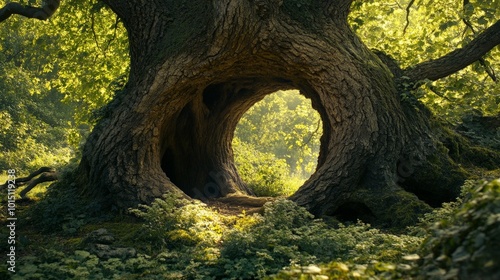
276 143
53 80
284 124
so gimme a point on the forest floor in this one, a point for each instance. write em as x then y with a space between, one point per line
201 239
237 204
124 227
215 240
232 209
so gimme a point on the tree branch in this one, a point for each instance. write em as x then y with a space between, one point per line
456 60
47 9
44 177
47 174
408 15
489 70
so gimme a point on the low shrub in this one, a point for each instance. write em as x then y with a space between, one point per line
467 244
289 235
265 174
188 240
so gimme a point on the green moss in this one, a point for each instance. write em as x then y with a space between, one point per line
462 151
406 210
482 157
126 230
441 169
393 208
436 179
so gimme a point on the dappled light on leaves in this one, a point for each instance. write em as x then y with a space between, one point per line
53 75
164 133
276 143
436 28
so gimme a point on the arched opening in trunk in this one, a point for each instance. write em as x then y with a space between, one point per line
197 143
277 142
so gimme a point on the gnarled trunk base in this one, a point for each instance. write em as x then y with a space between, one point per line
171 129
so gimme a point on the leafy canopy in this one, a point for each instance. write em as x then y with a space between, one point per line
434 29
53 75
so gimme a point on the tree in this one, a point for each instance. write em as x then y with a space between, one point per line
32 130
197 66
53 74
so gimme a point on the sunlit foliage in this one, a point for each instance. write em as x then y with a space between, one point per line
173 222
434 29
460 242
278 138
189 240
265 174
92 58
466 244
53 74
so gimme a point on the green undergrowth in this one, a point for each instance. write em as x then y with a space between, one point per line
265 174
179 239
63 209
461 240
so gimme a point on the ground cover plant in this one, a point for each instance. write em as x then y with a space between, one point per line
175 238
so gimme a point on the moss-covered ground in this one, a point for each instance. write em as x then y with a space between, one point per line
179 239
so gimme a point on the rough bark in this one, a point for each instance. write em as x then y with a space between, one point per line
197 66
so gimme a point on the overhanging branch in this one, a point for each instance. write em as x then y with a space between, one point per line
456 60
47 9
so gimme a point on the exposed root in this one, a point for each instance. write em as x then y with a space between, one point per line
45 174
236 204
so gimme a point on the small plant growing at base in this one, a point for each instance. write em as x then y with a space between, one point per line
173 221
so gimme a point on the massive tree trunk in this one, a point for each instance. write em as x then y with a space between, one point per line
197 66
